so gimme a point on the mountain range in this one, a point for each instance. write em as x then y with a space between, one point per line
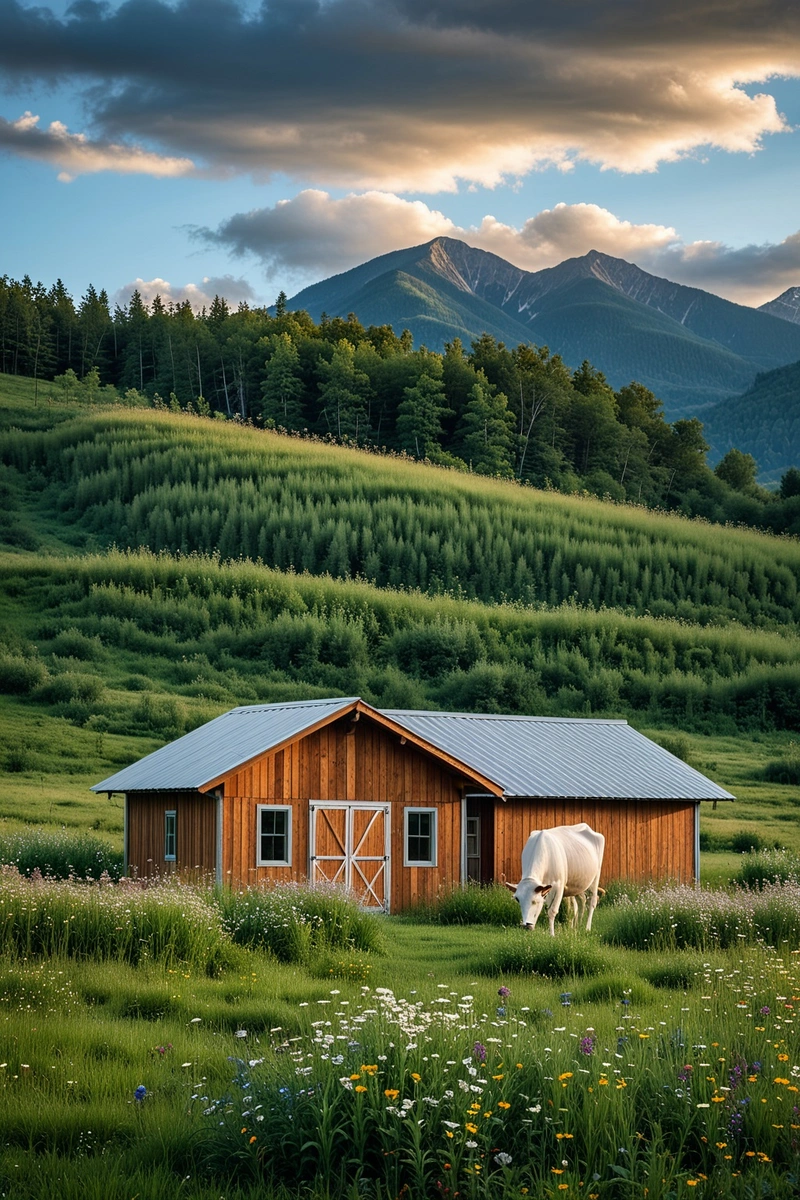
692 348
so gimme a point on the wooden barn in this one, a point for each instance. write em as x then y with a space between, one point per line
393 805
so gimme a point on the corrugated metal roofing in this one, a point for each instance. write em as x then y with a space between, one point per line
220 746
566 757
527 756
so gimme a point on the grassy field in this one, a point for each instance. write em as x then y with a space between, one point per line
574 1065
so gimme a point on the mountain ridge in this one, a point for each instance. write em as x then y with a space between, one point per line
714 348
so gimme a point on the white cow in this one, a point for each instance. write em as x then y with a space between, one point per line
565 861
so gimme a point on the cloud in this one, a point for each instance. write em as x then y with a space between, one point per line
74 154
314 235
201 295
400 95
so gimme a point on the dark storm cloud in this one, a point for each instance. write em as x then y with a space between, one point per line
411 95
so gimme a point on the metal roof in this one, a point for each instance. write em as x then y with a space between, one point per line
558 757
569 757
220 746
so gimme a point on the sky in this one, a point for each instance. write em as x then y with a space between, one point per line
207 146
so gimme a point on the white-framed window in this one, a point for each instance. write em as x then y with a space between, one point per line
419 837
170 834
274 835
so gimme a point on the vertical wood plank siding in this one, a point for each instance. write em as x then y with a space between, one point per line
344 761
361 761
645 839
195 834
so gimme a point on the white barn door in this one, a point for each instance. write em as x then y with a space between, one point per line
349 845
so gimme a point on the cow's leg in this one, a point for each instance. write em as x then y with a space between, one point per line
592 903
553 907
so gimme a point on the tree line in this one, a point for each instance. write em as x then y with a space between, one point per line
517 413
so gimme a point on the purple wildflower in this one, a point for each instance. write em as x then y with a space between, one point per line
765 1011
587 1044
503 992
479 1052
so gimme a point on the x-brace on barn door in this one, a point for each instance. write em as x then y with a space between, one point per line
349 846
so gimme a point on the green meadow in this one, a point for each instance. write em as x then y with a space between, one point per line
505 1064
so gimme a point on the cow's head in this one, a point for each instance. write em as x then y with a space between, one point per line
530 896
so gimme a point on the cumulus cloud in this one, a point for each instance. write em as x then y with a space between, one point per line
201 295
400 95
75 154
313 235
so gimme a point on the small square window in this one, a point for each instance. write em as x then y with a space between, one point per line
274 835
420 837
170 835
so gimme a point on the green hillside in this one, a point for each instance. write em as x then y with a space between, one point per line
178 484
766 419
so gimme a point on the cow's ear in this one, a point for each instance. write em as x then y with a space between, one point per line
512 887
543 889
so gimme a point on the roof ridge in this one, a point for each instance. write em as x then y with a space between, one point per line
429 712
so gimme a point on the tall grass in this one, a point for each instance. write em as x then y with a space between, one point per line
475 904
687 917
296 923
167 923
762 867
60 854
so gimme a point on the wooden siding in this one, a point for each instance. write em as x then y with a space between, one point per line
645 840
195 834
348 761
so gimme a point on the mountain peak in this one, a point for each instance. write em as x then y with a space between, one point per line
786 306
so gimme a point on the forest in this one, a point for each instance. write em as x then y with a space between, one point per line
518 413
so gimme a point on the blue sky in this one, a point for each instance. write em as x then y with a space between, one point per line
204 146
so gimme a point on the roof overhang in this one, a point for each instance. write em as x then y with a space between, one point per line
356 709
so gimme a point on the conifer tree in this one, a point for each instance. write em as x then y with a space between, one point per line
345 393
283 386
486 432
419 415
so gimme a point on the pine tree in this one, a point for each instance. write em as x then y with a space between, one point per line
283 385
419 415
486 432
345 393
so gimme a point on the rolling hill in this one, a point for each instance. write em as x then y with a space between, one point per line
693 349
